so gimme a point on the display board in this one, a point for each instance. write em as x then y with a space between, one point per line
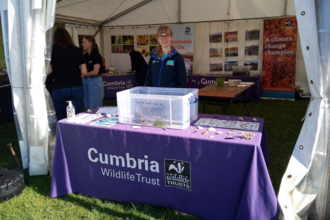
279 58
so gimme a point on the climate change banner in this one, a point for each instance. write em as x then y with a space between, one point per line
279 58
183 40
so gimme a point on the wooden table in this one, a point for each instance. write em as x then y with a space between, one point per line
226 92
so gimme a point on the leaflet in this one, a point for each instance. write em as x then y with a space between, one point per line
105 122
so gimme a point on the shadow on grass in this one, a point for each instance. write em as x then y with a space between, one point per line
41 185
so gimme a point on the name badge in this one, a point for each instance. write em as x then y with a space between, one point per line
170 62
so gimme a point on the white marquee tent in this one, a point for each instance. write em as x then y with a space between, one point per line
27 39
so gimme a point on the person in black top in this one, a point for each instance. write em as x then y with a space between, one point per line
166 66
93 83
139 65
67 67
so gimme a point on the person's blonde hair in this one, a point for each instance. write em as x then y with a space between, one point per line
161 30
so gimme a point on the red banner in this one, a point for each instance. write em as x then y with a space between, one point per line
279 58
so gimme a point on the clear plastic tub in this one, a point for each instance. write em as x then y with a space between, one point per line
159 107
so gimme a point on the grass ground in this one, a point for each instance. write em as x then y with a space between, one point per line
283 123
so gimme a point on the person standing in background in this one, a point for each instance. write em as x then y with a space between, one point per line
67 66
139 65
166 66
93 83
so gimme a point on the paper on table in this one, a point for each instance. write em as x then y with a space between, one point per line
243 85
105 122
83 118
112 110
247 83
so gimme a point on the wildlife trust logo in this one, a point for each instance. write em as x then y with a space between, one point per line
178 174
129 83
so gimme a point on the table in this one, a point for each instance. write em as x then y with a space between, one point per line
6 104
252 94
225 92
117 83
216 177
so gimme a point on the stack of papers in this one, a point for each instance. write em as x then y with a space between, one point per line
83 118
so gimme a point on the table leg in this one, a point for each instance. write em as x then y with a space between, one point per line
245 103
204 105
225 106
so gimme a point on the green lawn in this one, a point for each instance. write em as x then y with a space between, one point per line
283 123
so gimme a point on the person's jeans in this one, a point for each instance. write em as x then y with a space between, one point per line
61 96
94 92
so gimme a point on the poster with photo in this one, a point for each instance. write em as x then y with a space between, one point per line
117 39
142 40
229 65
183 41
231 36
279 57
216 52
231 51
251 50
215 67
215 37
116 48
153 40
252 63
252 35
128 39
144 50
126 48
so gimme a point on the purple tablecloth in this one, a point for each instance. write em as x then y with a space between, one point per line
114 84
213 178
252 94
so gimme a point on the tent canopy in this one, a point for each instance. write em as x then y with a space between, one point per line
146 12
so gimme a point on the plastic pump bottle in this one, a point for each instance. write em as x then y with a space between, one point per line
70 111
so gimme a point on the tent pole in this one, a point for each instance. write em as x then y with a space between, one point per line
179 12
285 7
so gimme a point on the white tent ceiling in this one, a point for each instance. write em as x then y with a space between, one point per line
144 12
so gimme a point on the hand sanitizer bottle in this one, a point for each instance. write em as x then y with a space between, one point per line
70 111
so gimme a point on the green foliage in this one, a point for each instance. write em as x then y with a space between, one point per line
283 123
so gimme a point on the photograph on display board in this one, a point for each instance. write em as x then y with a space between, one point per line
231 51
153 49
231 36
252 35
128 39
229 65
126 48
215 67
117 39
142 39
215 37
251 50
153 39
116 48
252 63
144 50
216 52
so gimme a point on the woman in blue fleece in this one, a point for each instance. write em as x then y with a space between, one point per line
166 67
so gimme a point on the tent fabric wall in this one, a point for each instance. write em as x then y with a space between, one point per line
305 182
27 27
